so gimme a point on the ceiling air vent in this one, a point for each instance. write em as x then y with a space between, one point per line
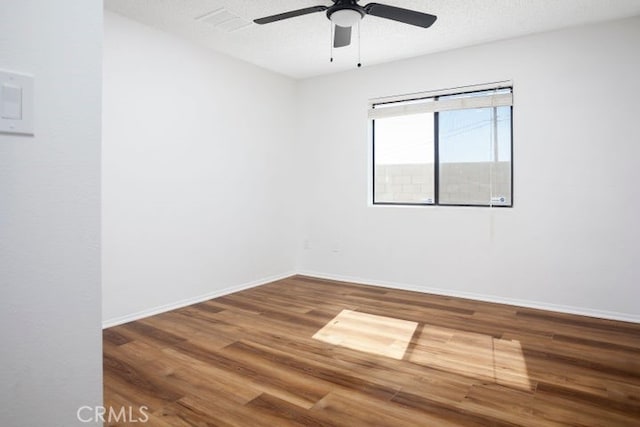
223 20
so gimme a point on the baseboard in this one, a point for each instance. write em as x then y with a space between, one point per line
601 314
395 285
189 301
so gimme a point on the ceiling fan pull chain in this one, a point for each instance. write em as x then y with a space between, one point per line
359 57
331 41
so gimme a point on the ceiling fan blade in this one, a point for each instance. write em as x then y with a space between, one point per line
399 14
291 14
342 36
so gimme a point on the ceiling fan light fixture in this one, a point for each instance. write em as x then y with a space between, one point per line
345 17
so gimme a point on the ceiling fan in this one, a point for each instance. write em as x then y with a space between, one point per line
346 13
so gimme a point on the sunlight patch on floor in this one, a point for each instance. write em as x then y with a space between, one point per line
384 336
475 355
471 354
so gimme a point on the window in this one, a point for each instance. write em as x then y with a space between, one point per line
446 149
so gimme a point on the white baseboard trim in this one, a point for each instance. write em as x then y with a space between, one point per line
189 301
611 315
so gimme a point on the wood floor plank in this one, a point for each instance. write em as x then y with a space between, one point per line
112 336
283 410
250 359
489 399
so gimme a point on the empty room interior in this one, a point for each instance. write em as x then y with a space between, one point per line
320 213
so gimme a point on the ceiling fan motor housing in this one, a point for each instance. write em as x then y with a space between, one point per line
345 13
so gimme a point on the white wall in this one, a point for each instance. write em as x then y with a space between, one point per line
50 357
571 239
197 152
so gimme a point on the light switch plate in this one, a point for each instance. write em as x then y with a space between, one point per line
16 103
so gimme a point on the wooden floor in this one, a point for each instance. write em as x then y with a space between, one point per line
250 359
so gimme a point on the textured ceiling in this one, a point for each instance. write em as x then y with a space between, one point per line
300 47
